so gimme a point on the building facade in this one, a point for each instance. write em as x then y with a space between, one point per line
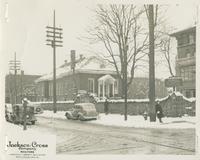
93 75
186 60
25 87
140 88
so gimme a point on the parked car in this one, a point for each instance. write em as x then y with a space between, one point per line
15 113
37 107
82 111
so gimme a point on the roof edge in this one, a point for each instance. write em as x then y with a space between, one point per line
182 31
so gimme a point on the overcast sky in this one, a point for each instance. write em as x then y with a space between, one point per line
24 30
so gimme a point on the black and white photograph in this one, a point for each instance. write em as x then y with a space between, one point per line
98 78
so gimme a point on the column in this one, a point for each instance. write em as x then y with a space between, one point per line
98 88
113 88
103 90
108 90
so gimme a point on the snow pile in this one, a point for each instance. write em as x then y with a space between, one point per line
50 114
47 102
18 129
122 100
133 121
178 94
139 122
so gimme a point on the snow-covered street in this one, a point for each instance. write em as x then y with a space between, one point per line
133 121
94 137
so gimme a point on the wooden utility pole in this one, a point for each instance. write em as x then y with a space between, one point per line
151 64
14 66
21 84
25 102
54 39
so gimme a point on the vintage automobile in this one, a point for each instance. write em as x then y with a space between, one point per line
15 113
82 111
38 109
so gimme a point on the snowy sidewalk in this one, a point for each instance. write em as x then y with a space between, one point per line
133 121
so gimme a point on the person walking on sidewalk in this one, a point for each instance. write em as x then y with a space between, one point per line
159 112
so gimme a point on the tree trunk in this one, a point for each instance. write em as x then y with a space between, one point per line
125 83
152 113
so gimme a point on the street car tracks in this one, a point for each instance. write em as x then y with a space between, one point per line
83 138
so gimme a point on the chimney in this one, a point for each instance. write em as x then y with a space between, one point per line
73 59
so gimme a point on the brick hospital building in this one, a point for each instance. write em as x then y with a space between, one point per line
186 60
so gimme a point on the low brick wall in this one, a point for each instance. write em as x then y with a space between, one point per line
171 108
61 106
133 108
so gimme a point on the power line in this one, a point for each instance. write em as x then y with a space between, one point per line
14 66
54 39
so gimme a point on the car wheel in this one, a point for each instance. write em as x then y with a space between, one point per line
67 116
80 118
7 118
14 120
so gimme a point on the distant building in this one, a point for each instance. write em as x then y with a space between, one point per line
140 88
185 60
93 75
25 86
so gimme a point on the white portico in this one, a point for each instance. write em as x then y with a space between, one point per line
107 86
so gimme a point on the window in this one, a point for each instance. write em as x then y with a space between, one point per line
91 85
188 73
50 89
57 89
42 90
183 39
186 52
194 93
191 38
101 90
116 87
190 93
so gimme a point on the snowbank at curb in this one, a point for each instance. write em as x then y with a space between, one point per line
139 122
133 121
18 129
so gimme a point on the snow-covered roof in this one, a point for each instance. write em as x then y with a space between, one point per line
183 30
178 94
92 65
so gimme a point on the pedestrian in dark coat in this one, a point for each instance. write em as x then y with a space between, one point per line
106 106
159 112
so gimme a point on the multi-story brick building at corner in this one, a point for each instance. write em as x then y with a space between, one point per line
25 87
185 60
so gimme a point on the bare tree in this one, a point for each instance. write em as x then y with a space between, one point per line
167 52
125 39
